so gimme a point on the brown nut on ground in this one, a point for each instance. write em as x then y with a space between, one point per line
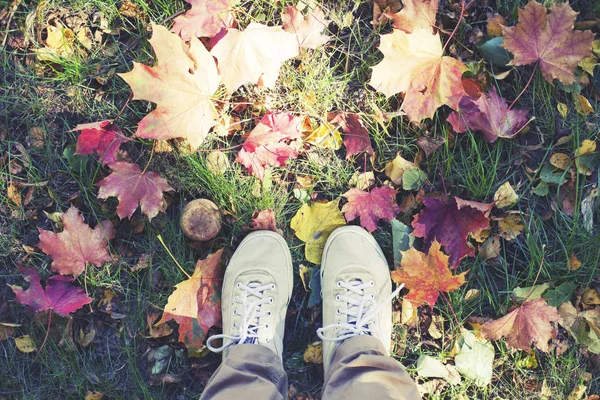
200 220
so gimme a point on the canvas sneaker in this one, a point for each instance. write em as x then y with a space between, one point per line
256 292
356 289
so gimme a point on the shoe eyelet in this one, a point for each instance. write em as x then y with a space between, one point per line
372 283
267 340
271 300
372 296
266 326
269 313
273 286
338 311
339 283
238 285
235 312
337 298
235 325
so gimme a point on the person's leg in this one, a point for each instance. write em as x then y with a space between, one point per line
357 321
256 291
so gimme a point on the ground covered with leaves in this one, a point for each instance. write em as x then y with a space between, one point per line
142 140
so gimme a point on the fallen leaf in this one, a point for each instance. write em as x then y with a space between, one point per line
94 395
573 262
450 223
426 275
527 323
59 296
307 29
77 245
528 362
181 84
416 14
314 353
313 223
585 157
582 105
414 64
195 304
490 249
254 54
577 393
562 293
430 367
430 144
37 137
102 138
561 161
110 304
588 210
382 9
488 114
562 109
206 18
356 136
590 297
264 220
157 330
134 188
7 329
475 358
25 344
581 325
409 313
325 136
495 22
511 226
362 181
402 239
265 144
13 194
505 196
549 40
217 162
396 168
520 294
379 203
60 44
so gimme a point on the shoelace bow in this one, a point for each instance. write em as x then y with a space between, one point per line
361 311
250 316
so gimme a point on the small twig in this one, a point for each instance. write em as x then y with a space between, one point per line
123 108
451 308
160 239
45 337
525 88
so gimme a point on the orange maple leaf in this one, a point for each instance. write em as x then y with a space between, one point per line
530 322
413 63
416 14
426 275
195 304
181 84
548 39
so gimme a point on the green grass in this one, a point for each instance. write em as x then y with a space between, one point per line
84 88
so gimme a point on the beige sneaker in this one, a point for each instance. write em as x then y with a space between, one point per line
356 289
256 291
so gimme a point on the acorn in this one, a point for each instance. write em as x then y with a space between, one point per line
200 220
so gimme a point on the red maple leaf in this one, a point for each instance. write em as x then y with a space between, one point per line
548 39
264 145
195 304
264 220
133 187
426 275
77 244
102 138
379 203
489 115
59 296
527 323
450 224
206 18
356 136
307 29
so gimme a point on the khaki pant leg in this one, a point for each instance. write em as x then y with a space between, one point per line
361 370
250 371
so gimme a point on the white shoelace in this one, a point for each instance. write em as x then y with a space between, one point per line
252 301
361 311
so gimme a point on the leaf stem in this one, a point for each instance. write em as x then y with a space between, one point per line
160 239
45 337
525 88
462 11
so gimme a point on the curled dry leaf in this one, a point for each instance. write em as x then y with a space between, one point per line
426 275
134 188
102 138
505 196
356 136
548 39
531 322
379 203
181 84
396 168
264 220
59 295
77 244
253 55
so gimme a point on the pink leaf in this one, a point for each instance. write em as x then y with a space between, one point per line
308 29
206 18
102 138
356 136
379 203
